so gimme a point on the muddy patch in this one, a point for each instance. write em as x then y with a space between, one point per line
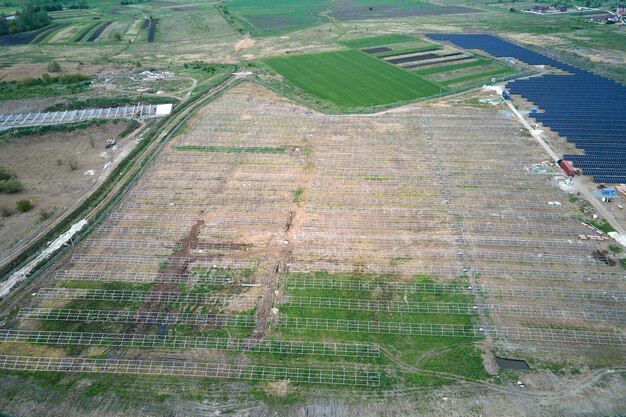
506 363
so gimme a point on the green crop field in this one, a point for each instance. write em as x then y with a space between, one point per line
376 41
266 17
270 17
351 78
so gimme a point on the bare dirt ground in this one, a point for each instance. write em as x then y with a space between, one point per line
32 70
28 105
532 39
56 169
244 43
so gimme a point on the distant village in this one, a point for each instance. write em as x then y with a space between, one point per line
609 18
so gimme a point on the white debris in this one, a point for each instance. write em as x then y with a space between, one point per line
497 88
567 186
163 109
22 274
90 172
621 239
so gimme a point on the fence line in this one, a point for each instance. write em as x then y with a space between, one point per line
191 368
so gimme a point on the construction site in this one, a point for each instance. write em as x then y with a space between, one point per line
399 251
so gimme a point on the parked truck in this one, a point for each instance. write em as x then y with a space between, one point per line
568 167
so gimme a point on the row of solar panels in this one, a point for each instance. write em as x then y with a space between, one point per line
584 107
609 179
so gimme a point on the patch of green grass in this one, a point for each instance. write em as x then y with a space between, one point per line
407 51
622 263
270 17
481 75
572 198
451 67
96 389
231 149
297 195
376 41
352 79
463 359
399 260
424 380
44 87
616 249
602 225
374 178
276 400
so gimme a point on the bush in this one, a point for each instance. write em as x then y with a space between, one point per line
11 186
116 36
23 206
54 66
4 174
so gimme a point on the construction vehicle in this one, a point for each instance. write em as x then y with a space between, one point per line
568 167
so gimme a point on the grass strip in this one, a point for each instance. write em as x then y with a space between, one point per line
503 71
451 67
231 149
376 41
407 51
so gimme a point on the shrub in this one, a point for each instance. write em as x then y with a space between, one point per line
54 66
11 186
116 36
23 205
4 174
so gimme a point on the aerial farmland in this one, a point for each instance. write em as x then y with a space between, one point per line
312 208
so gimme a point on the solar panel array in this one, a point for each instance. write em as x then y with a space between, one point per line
583 107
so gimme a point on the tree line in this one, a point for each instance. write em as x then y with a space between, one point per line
34 15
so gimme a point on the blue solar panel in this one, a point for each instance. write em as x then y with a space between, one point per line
609 179
585 108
